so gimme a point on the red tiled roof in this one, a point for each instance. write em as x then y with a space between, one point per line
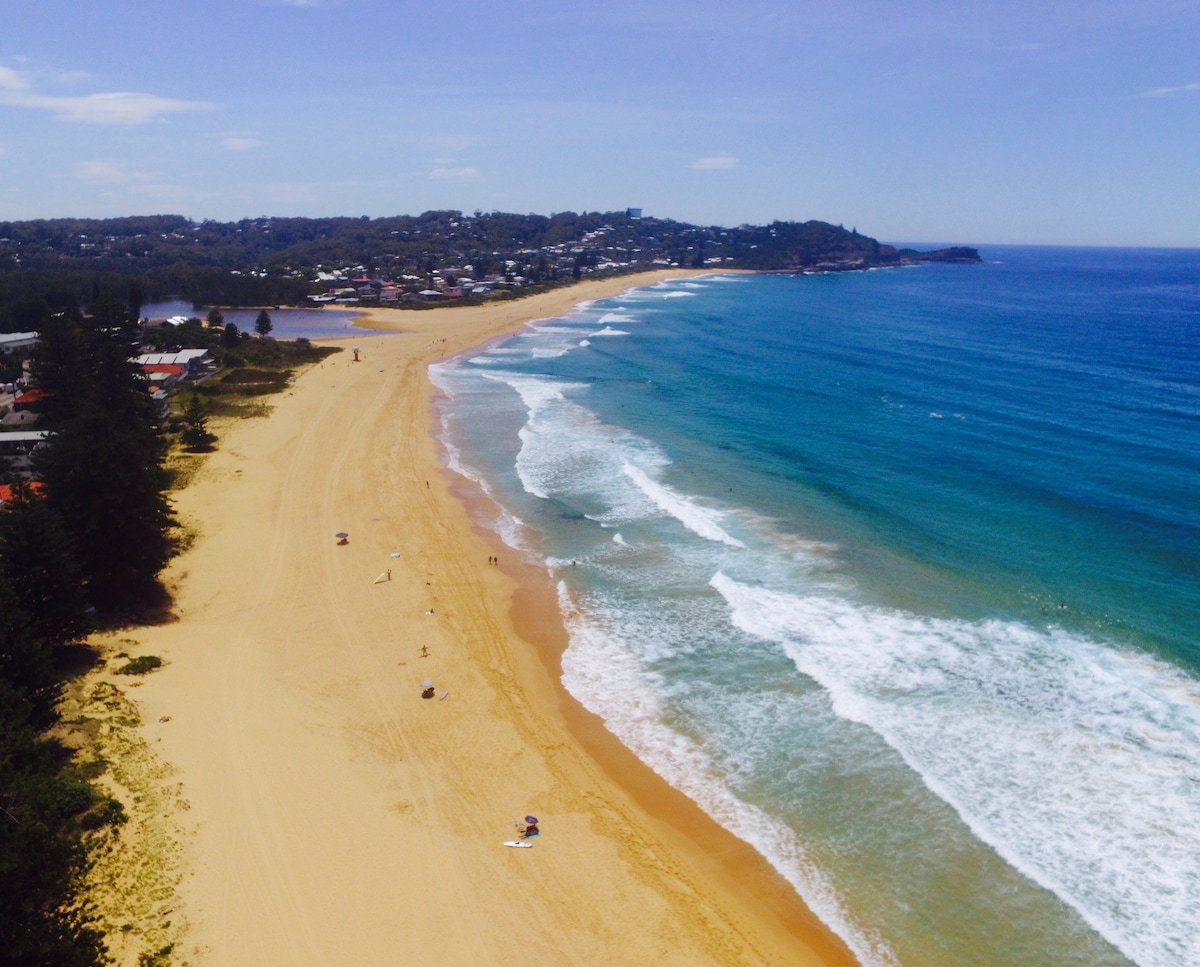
32 396
163 368
6 491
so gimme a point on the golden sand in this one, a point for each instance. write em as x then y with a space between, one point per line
336 817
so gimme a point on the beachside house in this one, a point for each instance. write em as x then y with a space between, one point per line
163 376
8 491
31 401
193 361
17 447
12 342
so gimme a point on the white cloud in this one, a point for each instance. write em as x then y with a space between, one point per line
1169 91
241 142
454 174
11 80
121 107
717 162
100 173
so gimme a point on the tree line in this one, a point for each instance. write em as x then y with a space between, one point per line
81 547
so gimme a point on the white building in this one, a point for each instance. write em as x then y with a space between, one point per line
192 360
16 447
16 341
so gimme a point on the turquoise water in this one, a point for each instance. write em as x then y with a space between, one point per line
896 574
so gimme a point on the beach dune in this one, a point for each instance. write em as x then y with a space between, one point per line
336 817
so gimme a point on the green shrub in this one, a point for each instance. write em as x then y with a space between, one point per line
105 812
160 958
140 665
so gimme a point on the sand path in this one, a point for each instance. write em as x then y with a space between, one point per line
339 818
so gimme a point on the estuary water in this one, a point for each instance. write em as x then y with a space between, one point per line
896 574
323 323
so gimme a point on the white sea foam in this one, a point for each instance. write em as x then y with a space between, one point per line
584 343
608 331
618 539
1077 763
700 520
609 680
510 528
611 317
678 295
569 455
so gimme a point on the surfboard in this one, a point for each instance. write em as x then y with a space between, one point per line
518 844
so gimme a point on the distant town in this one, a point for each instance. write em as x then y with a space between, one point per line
409 261
60 266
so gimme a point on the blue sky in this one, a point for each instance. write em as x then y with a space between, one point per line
968 122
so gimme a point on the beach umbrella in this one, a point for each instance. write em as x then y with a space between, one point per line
427 684
532 820
342 535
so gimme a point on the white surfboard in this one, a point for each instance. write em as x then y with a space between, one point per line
518 844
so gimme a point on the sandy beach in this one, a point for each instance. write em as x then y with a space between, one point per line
337 818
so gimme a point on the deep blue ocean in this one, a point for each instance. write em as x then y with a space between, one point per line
896 574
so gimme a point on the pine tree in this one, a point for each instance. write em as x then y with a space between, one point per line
39 561
26 663
262 325
103 463
195 434
43 920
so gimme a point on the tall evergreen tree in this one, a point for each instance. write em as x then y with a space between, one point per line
103 464
42 857
26 663
38 559
263 324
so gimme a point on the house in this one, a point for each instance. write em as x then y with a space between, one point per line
31 401
16 448
193 361
163 376
8 492
12 342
